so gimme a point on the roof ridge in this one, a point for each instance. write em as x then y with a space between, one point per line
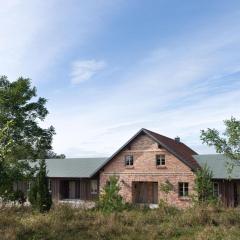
158 134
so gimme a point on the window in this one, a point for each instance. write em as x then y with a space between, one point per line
129 160
215 189
160 160
183 189
94 187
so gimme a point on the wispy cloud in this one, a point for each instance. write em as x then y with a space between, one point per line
84 70
37 36
171 90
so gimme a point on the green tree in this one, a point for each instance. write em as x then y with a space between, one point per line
39 195
227 143
19 102
110 200
6 144
204 185
21 135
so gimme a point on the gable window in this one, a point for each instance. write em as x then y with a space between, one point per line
160 160
94 187
183 189
216 189
129 160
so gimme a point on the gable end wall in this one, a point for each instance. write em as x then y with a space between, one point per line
144 151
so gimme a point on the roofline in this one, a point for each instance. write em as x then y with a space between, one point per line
115 153
134 136
169 149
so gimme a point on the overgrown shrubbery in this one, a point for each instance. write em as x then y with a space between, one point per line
110 200
64 222
204 186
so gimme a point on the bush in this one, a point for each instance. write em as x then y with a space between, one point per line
110 200
18 196
39 195
204 186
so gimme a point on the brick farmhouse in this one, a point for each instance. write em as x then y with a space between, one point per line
145 163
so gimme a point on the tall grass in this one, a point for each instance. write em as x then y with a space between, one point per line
64 222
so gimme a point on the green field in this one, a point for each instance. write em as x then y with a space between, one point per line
164 223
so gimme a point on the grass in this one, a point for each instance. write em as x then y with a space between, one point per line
66 223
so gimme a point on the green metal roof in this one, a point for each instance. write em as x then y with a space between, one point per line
217 164
73 167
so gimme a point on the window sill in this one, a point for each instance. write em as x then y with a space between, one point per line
129 167
161 167
184 198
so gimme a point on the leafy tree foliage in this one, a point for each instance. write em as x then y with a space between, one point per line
21 136
18 104
204 185
228 143
110 199
39 195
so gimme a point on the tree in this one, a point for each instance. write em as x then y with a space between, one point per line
39 195
5 148
204 185
21 136
228 143
110 199
17 103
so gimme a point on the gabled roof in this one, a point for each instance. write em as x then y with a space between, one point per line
73 167
178 149
217 164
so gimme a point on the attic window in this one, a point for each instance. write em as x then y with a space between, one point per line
129 160
159 146
160 160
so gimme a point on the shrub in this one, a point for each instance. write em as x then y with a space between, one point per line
204 185
110 200
39 195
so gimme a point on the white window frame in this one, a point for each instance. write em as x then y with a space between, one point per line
160 158
129 160
94 186
185 189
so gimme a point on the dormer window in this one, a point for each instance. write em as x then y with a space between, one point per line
129 160
160 160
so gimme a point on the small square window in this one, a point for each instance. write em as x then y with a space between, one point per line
183 189
129 160
160 160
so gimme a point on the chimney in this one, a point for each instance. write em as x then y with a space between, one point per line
177 139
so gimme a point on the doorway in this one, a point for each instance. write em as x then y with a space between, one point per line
145 192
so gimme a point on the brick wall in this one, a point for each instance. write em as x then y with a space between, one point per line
144 151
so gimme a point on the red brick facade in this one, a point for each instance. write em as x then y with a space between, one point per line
144 150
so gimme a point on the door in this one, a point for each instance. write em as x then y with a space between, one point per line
145 192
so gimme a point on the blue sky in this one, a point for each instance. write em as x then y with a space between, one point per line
109 68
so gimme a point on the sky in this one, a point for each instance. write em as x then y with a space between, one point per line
110 68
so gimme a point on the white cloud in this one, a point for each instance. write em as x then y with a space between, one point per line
37 36
171 91
83 70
